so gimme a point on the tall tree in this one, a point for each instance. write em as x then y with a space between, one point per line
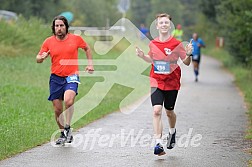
209 8
96 13
139 10
30 8
173 8
235 18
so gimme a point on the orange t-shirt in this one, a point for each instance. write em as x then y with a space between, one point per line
65 49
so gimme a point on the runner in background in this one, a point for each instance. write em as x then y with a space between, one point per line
144 31
197 43
178 33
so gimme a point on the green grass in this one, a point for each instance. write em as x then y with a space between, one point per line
243 79
26 116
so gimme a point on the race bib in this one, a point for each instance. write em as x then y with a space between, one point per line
161 67
195 57
73 78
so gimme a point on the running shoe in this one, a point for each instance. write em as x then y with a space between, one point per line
61 139
171 140
159 150
68 134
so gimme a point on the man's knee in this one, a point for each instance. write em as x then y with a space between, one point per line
57 106
58 110
170 113
69 97
157 112
69 102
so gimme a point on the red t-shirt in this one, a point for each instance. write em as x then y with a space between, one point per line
65 49
168 51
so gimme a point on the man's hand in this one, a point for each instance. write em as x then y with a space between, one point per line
200 45
90 69
189 48
45 54
41 57
139 52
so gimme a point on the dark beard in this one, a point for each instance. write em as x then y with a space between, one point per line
62 36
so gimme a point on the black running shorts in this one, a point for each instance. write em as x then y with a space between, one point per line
196 58
164 97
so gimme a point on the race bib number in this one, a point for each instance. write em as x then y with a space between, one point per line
73 78
161 67
195 57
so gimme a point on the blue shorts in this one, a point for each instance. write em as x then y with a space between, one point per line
58 85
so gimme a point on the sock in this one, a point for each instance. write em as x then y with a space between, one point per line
67 127
172 130
158 141
197 72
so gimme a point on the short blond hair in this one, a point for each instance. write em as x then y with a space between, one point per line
163 15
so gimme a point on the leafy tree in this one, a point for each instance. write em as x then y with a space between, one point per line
95 13
235 18
173 8
30 8
209 8
139 10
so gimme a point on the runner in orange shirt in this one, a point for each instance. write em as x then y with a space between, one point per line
64 77
165 75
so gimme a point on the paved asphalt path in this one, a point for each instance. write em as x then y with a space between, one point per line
211 121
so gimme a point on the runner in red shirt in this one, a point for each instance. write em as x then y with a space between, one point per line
63 50
165 75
